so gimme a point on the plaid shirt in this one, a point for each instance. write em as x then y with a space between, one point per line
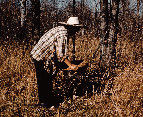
55 40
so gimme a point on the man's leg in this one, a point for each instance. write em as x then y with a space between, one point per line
45 85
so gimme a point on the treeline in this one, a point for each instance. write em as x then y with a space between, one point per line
13 27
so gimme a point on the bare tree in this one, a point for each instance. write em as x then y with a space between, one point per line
36 18
104 34
139 36
1 23
23 11
113 34
109 30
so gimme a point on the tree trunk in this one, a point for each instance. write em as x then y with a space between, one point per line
36 19
104 34
139 37
113 34
109 30
23 11
73 7
73 37
1 25
23 19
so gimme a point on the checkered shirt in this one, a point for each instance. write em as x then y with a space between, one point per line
55 40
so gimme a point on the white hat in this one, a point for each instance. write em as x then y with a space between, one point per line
72 21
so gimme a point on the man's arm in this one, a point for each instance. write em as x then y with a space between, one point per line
70 65
73 66
82 64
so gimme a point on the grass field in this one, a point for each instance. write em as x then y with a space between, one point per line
19 94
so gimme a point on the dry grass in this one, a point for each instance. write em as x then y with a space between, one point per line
19 88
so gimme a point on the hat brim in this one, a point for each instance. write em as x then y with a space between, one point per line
64 23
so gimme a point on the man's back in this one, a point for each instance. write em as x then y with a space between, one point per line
45 47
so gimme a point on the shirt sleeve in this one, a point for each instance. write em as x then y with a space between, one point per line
46 45
61 47
43 47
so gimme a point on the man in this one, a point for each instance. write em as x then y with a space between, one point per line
48 53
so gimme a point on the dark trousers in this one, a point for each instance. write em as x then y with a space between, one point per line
45 85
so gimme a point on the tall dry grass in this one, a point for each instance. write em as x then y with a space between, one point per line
19 96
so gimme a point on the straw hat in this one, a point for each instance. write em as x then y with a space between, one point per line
73 21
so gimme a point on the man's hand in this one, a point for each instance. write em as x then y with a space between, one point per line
71 66
74 67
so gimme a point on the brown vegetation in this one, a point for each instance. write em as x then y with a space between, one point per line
19 87
19 93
